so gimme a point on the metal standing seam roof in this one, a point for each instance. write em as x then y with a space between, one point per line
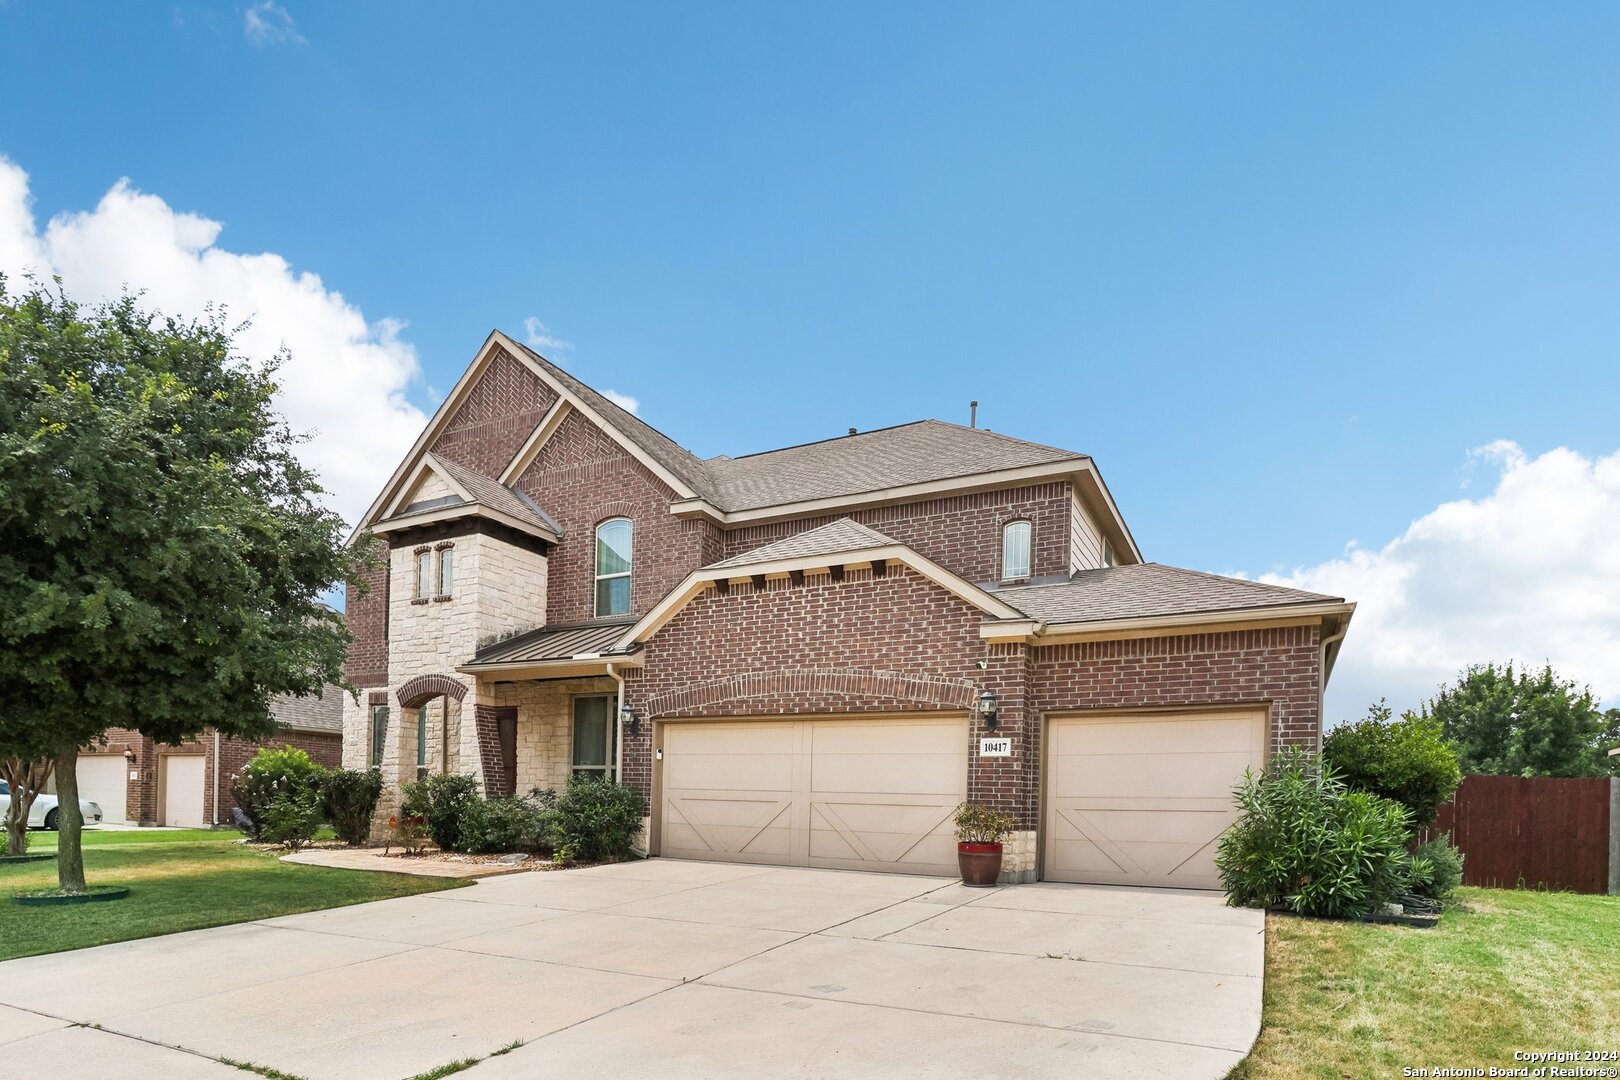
1147 590
844 534
555 643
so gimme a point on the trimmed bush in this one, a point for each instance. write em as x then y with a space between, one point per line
1409 760
291 820
441 802
1436 871
272 775
349 801
489 826
593 820
1307 843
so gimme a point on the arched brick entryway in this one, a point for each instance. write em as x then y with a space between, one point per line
424 688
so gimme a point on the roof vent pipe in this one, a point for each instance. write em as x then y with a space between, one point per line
973 414
852 431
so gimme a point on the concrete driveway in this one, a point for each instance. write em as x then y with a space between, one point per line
666 969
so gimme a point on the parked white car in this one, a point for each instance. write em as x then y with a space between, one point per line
46 812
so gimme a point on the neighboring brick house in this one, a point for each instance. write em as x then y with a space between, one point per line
812 655
138 780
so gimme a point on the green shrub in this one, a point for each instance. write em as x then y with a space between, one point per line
980 824
270 775
1409 760
593 820
1436 871
1307 843
349 801
441 802
291 820
489 826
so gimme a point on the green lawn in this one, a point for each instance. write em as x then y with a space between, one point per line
1505 970
180 880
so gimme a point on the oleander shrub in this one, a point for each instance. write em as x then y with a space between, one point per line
593 820
1306 842
271 775
1408 759
1436 870
441 802
349 801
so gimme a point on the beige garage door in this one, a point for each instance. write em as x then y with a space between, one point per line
104 780
1141 800
183 790
847 792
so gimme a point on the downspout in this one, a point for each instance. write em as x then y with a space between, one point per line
216 776
618 727
1321 683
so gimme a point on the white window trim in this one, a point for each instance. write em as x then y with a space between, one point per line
1029 549
424 579
596 565
606 768
379 745
447 558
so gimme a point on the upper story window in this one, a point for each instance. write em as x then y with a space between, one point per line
1015 550
1108 554
447 569
424 573
613 542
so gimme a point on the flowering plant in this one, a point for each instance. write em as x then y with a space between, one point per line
409 831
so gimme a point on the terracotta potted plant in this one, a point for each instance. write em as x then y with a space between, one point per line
980 830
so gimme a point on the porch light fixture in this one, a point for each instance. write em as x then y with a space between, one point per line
129 755
630 721
988 706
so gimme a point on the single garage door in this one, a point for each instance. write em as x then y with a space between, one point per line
1142 800
183 790
104 780
851 793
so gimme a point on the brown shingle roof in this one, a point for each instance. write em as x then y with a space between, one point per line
554 643
321 713
831 538
1146 590
491 493
915 453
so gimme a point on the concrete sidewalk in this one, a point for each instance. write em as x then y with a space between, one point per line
668 969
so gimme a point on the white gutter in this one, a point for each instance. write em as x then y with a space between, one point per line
618 727
216 776
1322 677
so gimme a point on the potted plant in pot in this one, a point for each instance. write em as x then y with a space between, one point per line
980 830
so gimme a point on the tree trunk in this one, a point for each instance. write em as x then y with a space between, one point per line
26 780
70 822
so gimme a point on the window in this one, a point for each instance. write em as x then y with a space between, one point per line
1108 553
593 736
613 540
421 743
1015 550
424 573
447 570
379 733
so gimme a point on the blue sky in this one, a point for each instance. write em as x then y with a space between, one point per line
1279 268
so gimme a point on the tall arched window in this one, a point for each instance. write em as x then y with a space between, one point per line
1015 550
613 541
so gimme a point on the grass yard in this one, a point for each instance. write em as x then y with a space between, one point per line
1506 970
179 880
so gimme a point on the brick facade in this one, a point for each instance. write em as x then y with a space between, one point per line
500 412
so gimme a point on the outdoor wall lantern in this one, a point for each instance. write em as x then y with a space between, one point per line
129 755
631 722
988 706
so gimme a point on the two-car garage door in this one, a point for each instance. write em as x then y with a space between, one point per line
844 792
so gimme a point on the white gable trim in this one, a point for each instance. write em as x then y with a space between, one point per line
531 447
428 464
697 581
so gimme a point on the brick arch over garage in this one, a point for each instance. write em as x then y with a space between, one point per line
816 683
424 688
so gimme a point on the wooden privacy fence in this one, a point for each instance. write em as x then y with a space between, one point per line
1539 832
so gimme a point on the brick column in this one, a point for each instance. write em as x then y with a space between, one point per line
492 758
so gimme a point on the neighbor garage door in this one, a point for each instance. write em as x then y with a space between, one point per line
183 790
1142 799
104 780
844 792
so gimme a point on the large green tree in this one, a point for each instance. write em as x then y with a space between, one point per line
1510 722
162 549
1409 760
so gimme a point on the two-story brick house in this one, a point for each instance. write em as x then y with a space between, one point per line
812 655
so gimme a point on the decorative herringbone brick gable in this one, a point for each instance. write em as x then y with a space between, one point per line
500 412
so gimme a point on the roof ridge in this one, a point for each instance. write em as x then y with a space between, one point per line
1008 438
831 438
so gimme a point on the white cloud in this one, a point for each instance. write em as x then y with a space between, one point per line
268 23
624 401
346 379
542 340
1529 572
